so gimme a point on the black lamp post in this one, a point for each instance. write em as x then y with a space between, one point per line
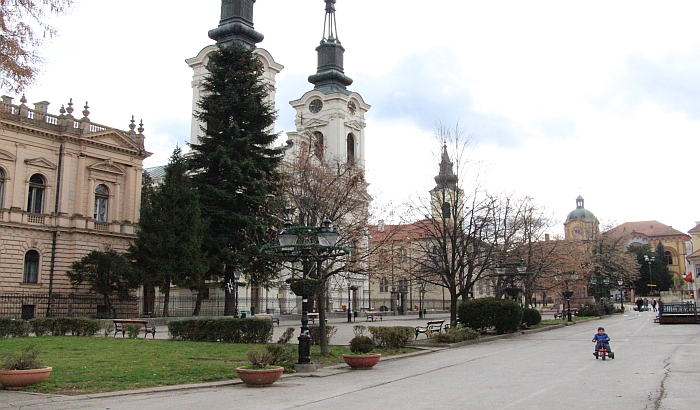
622 296
236 277
311 246
649 260
568 294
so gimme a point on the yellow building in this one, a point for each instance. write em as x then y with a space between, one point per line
68 186
581 224
652 233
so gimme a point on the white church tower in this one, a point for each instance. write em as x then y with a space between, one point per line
236 24
330 119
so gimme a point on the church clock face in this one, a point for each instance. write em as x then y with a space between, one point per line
315 105
352 108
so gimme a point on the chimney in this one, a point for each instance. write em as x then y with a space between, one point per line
6 99
546 237
380 225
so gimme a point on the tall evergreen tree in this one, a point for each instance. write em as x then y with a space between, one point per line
235 165
168 248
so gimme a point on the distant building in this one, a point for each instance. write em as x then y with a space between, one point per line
68 186
675 242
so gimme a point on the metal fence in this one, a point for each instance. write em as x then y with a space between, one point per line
28 306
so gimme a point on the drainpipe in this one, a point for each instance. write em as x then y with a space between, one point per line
55 231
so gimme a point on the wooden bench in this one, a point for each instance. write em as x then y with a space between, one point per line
563 314
121 324
433 326
268 316
374 315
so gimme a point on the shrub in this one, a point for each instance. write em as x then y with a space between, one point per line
359 330
25 360
13 328
531 317
456 334
229 330
286 336
315 333
361 344
260 358
589 309
481 314
283 355
132 330
42 326
396 337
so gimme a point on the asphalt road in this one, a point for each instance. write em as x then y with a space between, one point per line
655 367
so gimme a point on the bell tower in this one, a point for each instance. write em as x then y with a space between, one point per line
330 119
235 25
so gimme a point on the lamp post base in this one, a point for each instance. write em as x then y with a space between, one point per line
305 367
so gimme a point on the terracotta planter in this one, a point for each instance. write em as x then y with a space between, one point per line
362 361
259 377
15 379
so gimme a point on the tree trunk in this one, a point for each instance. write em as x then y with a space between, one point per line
108 305
166 299
453 307
322 322
198 304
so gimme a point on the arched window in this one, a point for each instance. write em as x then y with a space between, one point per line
35 202
2 185
319 144
669 257
101 200
351 149
31 266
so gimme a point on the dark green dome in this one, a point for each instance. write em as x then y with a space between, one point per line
580 212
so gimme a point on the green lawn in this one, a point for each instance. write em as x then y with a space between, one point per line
99 364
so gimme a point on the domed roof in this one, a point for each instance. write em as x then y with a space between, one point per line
580 212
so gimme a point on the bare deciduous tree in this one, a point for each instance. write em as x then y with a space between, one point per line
23 29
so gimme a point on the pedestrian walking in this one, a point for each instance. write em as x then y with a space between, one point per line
640 304
653 305
646 304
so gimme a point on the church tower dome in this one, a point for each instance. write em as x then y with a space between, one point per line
581 224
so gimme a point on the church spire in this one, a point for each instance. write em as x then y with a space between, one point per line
330 77
446 178
236 24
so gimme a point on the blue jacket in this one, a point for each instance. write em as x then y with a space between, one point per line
600 338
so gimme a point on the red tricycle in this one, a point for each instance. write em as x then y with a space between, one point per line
602 353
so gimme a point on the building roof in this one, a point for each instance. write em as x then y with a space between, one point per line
696 229
415 230
651 229
155 172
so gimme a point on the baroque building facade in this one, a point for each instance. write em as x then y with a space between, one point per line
68 186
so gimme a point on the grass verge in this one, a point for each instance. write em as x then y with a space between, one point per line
88 365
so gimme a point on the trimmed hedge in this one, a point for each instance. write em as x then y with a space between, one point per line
396 337
77 326
228 330
455 334
484 313
531 317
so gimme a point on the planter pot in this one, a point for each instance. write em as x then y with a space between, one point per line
259 377
15 379
362 361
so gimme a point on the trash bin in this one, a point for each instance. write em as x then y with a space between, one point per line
253 310
268 311
243 314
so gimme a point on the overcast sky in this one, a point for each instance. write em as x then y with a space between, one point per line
598 98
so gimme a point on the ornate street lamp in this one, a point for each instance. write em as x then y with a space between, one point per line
510 277
649 260
311 246
622 296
